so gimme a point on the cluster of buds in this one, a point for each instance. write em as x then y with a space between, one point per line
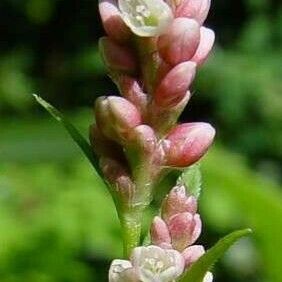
152 50
172 251
179 225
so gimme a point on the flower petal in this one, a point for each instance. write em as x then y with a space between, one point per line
146 18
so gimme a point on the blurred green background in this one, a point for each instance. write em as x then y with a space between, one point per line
57 222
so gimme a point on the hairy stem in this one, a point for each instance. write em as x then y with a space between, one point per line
149 61
131 223
131 215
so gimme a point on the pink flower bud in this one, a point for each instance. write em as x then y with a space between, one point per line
178 202
131 90
179 43
116 57
194 9
159 232
112 21
205 46
185 229
192 254
187 143
115 116
174 86
143 137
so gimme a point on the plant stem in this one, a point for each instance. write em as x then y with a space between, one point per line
131 214
149 61
131 223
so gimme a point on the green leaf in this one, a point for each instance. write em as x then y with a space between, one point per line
192 179
199 269
73 132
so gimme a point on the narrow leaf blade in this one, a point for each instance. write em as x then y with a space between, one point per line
73 132
199 269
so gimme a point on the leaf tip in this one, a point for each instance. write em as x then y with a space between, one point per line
248 231
40 100
37 97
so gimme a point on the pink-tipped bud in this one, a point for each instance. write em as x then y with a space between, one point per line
179 43
159 233
115 117
178 202
185 229
112 21
143 137
131 90
194 9
192 254
187 143
205 46
116 57
174 86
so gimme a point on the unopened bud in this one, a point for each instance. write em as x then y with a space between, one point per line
115 116
185 229
205 46
143 138
159 232
179 43
192 254
116 57
146 18
112 21
178 202
175 84
194 9
187 143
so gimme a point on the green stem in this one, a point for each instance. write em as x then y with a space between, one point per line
131 223
131 214
146 49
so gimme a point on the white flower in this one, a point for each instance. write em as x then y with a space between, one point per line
154 264
146 18
121 271
208 277
148 264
